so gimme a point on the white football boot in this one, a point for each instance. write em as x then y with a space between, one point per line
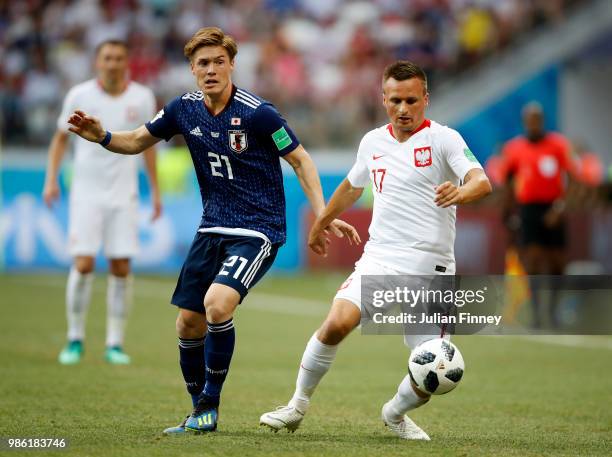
405 428
282 417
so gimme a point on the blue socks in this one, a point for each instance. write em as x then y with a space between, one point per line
218 353
191 354
205 366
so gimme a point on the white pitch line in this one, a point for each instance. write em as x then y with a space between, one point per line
256 301
285 304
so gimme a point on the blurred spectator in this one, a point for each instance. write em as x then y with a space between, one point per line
306 56
40 91
587 192
476 35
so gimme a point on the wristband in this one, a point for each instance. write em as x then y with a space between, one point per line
107 139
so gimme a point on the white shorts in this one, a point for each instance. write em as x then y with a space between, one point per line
93 225
351 290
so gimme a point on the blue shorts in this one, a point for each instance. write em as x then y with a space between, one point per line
234 260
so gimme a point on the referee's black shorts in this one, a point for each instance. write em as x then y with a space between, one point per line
534 229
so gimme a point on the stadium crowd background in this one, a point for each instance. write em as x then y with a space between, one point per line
317 60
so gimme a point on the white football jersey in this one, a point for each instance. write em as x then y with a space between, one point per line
408 232
99 175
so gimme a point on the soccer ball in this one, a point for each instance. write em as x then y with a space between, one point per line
436 366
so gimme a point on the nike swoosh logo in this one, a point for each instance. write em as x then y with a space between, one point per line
377 157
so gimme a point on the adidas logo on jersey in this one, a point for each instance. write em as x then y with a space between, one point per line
196 131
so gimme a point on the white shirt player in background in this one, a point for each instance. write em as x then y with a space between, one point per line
419 171
103 197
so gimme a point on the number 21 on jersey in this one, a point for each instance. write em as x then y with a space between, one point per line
216 164
378 177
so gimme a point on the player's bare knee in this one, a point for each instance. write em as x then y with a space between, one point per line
213 310
85 269
341 320
119 267
190 324
333 331
84 265
217 310
220 302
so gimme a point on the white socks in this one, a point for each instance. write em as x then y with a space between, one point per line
118 302
316 361
404 400
78 296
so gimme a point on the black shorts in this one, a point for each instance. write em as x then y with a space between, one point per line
234 260
535 231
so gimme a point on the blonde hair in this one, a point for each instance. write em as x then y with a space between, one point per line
211 36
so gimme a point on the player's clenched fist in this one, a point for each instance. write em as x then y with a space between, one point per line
447 194
87 127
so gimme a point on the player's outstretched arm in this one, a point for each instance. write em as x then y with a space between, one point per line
475 186
90 128
344 197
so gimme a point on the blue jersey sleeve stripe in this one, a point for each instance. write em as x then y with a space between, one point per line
246 102
246 99
248 96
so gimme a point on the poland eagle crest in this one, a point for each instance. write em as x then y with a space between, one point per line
422 156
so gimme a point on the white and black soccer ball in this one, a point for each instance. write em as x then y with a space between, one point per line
436 366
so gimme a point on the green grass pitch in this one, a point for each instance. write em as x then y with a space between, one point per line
518 397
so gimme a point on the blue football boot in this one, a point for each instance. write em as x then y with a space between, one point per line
178 429
203 418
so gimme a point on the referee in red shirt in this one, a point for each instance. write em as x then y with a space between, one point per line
537 165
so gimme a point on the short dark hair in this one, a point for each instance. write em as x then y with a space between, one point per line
112 42
211 36
403 70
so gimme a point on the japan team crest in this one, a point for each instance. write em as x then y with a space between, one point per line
422 156
237 140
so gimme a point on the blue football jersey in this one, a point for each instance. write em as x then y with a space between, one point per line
236 157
